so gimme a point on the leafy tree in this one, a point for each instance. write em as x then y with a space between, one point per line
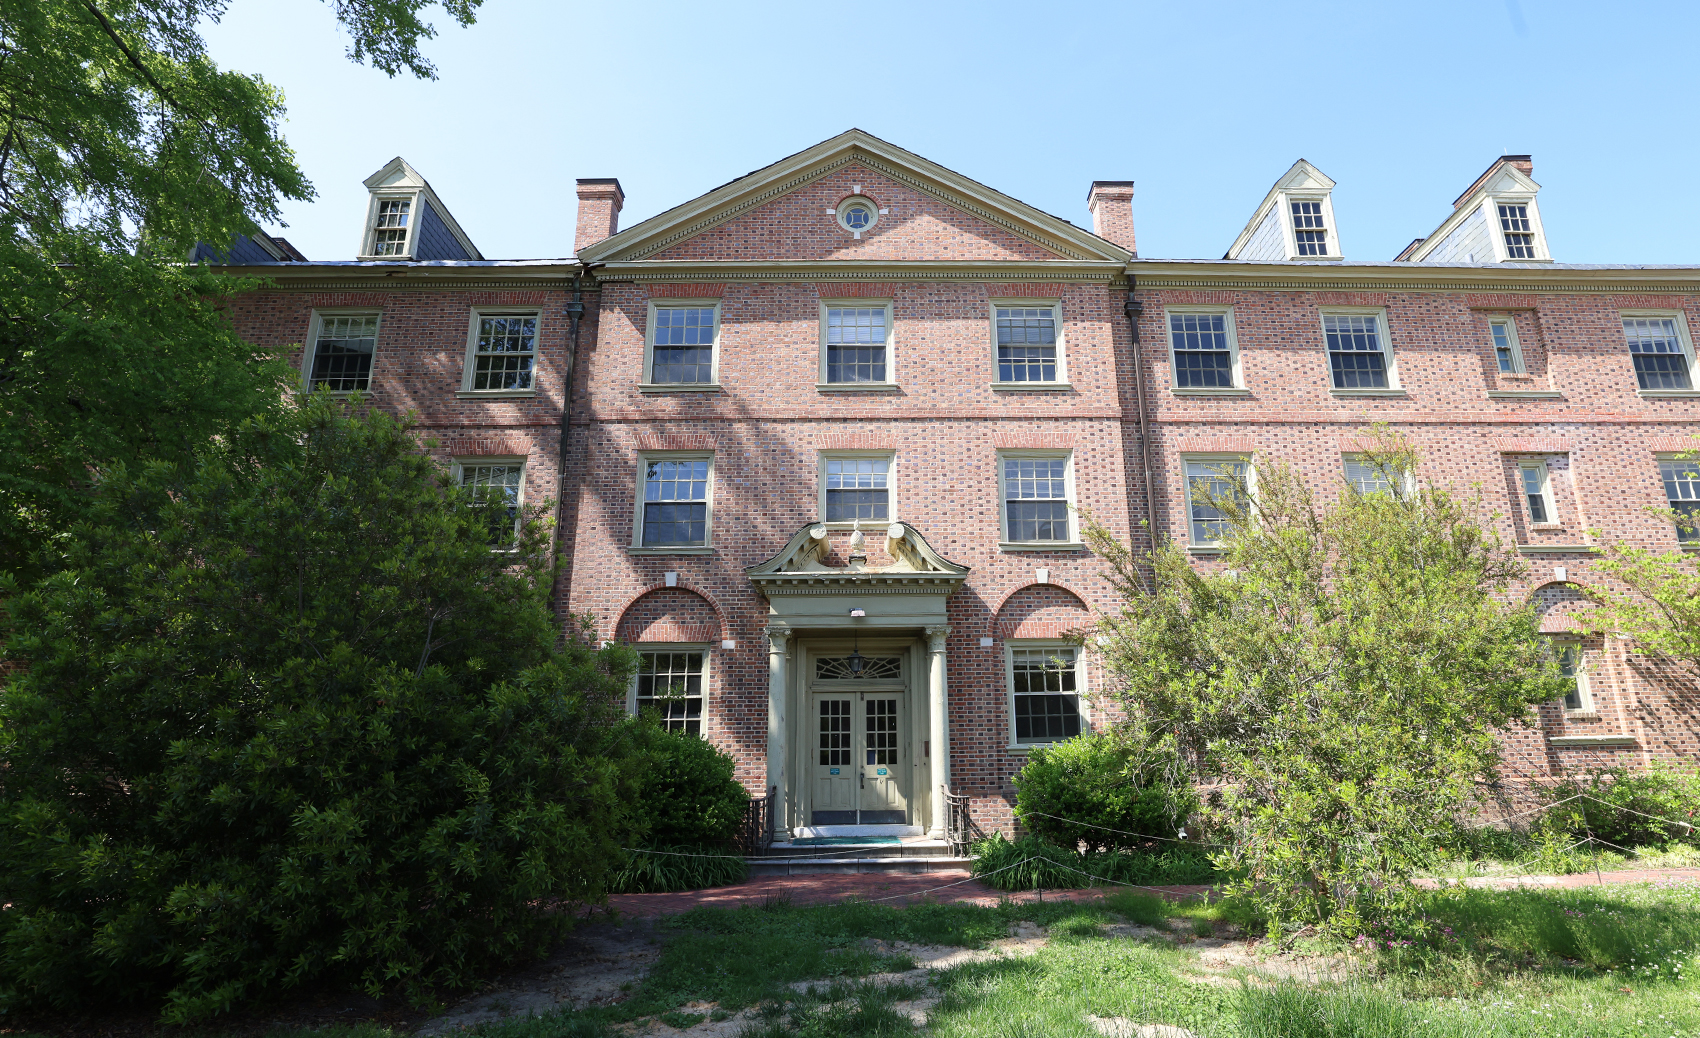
689 795
1340 679
1660 608
286 716
121 145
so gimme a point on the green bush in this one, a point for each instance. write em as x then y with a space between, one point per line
1630 809
688 795
286 719
1096 789
1030 864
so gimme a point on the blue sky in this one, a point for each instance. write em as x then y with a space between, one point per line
1203 105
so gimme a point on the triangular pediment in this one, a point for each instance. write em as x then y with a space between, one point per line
1304 177
395 173
734 212
1509 180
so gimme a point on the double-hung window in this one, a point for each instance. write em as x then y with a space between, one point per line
1682 489
856 487
1357 350
1658 343
1310 233
501 482
341 358
857 344
503 353
1519 233
1508 356
1027 342
669 683
1368 478
682 344
1572 666
389 228
1537 491
674 504
1045 687
1036 500
1213 487
1202 345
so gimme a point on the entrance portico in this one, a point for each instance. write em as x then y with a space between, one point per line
857 731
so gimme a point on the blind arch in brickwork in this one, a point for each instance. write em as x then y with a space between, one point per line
660 613
1040 611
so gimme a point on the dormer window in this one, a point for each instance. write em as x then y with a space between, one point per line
1519 234
389 234
1310 234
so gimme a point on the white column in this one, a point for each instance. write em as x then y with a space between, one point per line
938 699
778 639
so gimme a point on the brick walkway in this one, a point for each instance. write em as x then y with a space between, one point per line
897 889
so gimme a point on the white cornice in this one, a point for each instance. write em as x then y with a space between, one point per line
1412 277
755 189
861 270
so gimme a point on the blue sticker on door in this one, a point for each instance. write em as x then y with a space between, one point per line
881 771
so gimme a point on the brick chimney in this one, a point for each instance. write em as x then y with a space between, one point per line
599 202
1111 205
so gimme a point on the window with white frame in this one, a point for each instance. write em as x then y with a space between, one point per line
1357 350
856 487
503 352
681 345
1572 665
341 360
1027 343
500 483
1661 356
1682 490
856 341
1213 485
1537 491
674 510
669 683
1045 687
389 230
1519 233
1366 477
1310 233
1507 354
1202 345
1036 499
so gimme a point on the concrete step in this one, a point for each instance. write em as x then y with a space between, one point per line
913 848
811 866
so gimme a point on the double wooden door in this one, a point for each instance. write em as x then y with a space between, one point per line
860 758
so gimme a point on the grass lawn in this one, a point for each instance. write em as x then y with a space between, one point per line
1599 962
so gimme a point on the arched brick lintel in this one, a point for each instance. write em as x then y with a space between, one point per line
1038 628
719 625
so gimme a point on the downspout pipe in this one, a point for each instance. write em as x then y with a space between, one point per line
1135 310
574 312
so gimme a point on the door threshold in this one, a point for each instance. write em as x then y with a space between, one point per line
816 831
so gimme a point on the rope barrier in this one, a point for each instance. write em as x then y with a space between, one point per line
1120 832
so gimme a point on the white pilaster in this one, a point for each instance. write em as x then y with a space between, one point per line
938 698
778 641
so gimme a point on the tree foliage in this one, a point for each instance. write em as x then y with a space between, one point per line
286 715
1660 605
689 795
122 144
1340 679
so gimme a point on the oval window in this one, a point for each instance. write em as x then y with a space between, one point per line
857 217
857 214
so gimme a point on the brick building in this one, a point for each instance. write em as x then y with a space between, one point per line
820 439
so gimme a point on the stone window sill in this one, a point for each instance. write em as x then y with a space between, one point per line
858 387
678 387
1205 549
1032 387
1591 740
1367 392
494 394
1558 549
693 550
1581 715
1208 391
1041 546
1670 394
1524 394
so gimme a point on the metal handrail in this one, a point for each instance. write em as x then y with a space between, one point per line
960 829
755 832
